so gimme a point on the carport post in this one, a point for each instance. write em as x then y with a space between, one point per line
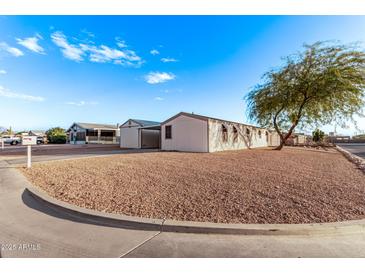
29 153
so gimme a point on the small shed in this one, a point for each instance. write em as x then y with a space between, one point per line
137 133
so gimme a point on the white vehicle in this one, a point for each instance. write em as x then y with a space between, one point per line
12 140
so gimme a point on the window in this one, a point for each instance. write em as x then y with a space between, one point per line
91 132
260 134
224 133
247 131
168 132
109 133
80 136
235 134
267 136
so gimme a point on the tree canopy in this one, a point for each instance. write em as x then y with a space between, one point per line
56 135
323 83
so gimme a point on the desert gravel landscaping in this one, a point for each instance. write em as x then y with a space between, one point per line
295 185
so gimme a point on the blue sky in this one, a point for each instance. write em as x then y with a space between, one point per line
55 70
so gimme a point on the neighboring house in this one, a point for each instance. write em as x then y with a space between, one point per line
38 133
41 136
358 138
197 133
136 133
339 139
88 133
22 134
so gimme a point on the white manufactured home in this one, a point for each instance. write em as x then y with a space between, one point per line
136 133
197 133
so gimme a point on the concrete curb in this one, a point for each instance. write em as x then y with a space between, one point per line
358 161
124 221
93 216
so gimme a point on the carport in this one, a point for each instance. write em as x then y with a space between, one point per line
136 133
150 136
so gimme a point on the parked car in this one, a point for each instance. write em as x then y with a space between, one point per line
12 140
40 140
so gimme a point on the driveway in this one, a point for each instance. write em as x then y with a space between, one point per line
355 148
28 228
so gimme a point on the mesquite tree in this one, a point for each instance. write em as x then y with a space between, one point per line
322 84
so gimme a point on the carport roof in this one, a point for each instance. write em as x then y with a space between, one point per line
143 123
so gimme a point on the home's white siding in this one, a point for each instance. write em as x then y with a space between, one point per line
243 140
129 135
187 134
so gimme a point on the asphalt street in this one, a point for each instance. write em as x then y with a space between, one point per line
355 148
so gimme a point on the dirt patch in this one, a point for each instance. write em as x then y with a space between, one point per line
251 186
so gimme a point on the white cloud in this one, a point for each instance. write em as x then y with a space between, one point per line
154 52
7 93
121 43
88 33
158 99
13 51
169 60
97 54
3 71
159 77
81 103
31 43
103 54
69 51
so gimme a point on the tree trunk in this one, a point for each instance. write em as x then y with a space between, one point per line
279 147
284 138
282 141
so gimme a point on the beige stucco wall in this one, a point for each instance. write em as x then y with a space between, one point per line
129 137
188 134
243 141
274 139
301 139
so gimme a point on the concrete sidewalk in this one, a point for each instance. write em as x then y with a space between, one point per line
30 229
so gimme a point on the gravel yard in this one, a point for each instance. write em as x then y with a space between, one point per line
252 186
